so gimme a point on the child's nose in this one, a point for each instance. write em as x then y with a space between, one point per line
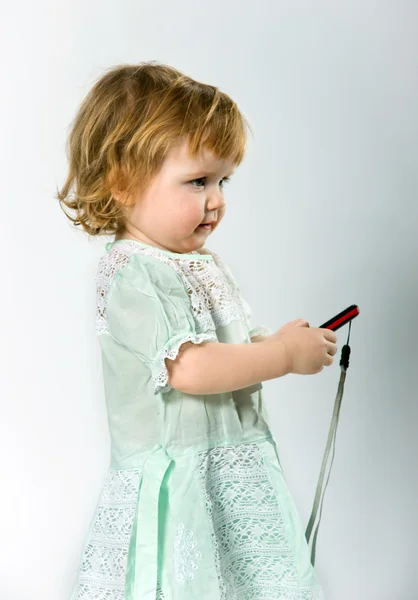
216 200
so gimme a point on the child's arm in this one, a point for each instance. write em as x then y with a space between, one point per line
212 368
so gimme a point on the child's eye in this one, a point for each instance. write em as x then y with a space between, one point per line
203 179
198 181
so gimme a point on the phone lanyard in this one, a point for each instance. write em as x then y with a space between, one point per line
319 496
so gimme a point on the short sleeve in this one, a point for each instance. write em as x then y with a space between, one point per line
149 312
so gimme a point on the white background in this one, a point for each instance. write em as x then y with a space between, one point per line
321 214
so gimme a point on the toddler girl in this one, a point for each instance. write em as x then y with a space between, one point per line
195 504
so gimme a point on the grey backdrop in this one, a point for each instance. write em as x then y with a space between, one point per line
322 213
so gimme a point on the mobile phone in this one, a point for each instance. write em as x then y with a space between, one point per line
342 318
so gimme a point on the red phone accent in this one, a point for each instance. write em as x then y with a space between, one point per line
342 318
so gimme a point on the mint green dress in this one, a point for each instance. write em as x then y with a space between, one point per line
195 504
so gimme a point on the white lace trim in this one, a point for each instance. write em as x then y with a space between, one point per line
248 529
160 379
214 294
104 558
244 306
109 265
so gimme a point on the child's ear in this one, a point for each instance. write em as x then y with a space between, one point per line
121 197
116 194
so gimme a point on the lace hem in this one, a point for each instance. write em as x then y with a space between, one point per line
253 554
104 558
159 368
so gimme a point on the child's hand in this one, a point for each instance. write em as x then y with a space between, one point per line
308 349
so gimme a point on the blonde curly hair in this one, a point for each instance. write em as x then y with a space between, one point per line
125 127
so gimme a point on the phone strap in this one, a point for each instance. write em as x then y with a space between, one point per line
319 496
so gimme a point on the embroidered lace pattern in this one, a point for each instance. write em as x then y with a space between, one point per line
109 265
236 292
215 297
214 294
252 554
214 300
186 555
104 559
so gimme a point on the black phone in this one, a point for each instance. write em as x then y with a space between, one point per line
342 318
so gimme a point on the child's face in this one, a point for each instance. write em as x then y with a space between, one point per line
183 195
